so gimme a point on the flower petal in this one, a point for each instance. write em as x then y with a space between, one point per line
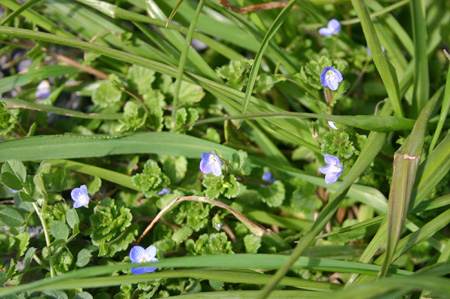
331 178
325 31
331 160
332 124
137 253
150 252
334 26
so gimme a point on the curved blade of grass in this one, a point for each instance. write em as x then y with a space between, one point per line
18 11
16 103
11 82
432 170
406 162
394 25
226 276
365 122
421 78
228 261
81 146
184 53
379 289
174 11
231 98
444 112
109 175
373 145
37 18
265 42
177 40
387 74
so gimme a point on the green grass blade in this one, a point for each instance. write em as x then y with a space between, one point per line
295 131
11 82
406 161
80 146
226 276
184 53
421 78
387 74
379 289
256 64
16 103
112 176
18 11
373 145
444 112
366 122
233 261
37 18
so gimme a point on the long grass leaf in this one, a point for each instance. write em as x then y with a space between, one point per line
406 162
16 103
444 113
373 145
387 74
184 53
421 77
265 42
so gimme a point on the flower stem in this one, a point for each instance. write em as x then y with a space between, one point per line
47 238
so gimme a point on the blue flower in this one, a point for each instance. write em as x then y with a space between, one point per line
331 77
332 124
43 90
333 28
164 191
140 255
80 197
211 163
333 169
267 176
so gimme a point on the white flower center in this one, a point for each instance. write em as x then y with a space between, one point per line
334 169
212 159
331 76
83 197
144 258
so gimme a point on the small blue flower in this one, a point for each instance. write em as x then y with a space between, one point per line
80 197
267 176
43 89
164 191
140 255
211 163
332 124
333 169
333 28
331 77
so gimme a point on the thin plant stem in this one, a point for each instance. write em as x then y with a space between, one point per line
47 238
253 227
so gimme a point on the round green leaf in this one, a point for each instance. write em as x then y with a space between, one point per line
59 230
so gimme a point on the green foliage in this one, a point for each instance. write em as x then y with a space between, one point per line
111 229
212 244
237 72
140 79
216 186
151 180
106 95
273 195
195 213
13 174
342 143
8 119
252 243
304 197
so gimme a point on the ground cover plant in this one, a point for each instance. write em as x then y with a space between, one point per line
215 149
